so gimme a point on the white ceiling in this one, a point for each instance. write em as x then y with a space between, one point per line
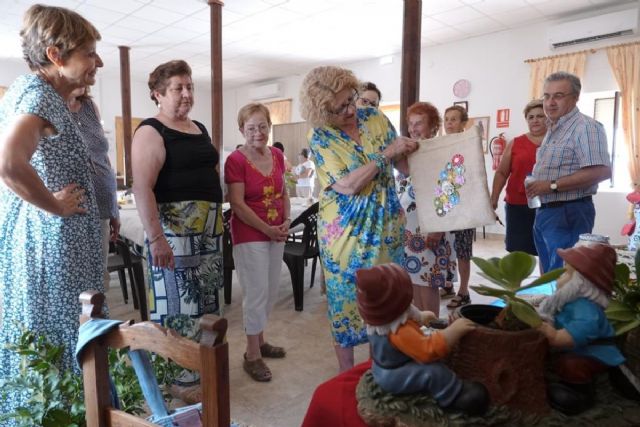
266 39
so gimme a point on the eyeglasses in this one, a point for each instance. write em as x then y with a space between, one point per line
262 128
368 103
555 96
351 101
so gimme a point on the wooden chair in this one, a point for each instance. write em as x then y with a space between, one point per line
297 252
210 357
123 260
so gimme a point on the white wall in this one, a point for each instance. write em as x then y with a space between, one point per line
494 64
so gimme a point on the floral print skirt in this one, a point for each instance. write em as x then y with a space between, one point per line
178 297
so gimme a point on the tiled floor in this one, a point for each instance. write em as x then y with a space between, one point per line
310 358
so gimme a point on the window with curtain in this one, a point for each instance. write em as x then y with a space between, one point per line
604 107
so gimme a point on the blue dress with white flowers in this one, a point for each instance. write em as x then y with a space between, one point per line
46 261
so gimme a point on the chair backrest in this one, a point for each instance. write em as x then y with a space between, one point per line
309 218
210 357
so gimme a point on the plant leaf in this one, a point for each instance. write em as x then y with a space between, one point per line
546 278
525 312
516 267
490 270
492 292
622 273
627 327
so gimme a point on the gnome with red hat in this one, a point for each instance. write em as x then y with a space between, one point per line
577 326
405 360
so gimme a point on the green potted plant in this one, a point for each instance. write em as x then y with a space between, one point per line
507 352
508 273
624 312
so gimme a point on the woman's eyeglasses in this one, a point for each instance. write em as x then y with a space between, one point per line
351 101
252 130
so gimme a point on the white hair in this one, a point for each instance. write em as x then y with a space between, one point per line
410 313
577 287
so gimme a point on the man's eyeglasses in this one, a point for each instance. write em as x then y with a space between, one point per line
263 128
351 101
555 96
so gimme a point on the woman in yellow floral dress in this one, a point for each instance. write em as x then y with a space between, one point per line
361 222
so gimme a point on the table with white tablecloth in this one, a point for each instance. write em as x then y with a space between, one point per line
131 228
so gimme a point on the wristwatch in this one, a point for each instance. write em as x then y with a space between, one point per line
554 186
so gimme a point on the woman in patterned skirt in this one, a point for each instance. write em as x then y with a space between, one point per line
429 259
179 200
49 229
361 222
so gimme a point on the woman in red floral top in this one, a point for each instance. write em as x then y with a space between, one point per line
254 174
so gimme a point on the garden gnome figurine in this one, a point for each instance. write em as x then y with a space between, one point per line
406 361
577 327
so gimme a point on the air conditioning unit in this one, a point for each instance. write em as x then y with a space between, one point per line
265 91
614 24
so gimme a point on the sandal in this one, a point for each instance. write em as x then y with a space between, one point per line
257 369
273 352
447 292
459 301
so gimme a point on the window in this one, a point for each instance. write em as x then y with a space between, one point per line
604 107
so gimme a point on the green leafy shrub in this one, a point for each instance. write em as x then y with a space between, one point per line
55 398
508 273
624 308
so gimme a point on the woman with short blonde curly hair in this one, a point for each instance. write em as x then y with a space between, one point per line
361 222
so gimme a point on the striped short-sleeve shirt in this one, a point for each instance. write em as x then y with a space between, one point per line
576 141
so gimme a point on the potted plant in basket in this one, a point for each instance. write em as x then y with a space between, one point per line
507 354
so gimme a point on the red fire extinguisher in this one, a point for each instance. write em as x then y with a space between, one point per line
496 148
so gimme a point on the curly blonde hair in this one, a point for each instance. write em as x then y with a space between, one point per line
319 89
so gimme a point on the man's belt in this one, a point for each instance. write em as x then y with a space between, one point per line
564 202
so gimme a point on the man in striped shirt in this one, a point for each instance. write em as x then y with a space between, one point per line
572 159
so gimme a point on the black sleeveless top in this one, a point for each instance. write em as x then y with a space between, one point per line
189 170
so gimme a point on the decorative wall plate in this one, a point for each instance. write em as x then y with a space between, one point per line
461 88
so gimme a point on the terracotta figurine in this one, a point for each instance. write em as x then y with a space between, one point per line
405 360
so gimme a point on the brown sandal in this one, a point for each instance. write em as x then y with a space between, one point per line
273 352
257 369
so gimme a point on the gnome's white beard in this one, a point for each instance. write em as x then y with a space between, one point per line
410 313
577 287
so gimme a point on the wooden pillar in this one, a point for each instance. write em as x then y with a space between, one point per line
125 95
411 44
216 73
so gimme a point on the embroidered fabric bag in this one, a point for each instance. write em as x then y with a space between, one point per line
450 183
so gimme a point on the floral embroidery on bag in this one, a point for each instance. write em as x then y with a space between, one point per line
451 178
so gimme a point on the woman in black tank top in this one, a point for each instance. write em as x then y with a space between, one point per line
179 200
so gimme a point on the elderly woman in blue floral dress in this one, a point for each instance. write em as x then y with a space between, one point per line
50 248
361 222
